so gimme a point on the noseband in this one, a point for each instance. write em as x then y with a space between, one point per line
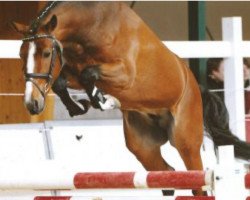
56 49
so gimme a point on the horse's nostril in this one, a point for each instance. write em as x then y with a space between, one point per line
35 104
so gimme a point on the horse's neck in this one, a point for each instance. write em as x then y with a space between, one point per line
83 20
81 32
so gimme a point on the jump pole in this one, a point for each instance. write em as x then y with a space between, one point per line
56 180
195 198
154 179
247 181
127 198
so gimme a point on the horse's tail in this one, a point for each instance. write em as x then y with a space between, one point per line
216 122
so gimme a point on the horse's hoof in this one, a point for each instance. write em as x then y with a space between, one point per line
199 193
97 98
168 192
81 107
110 103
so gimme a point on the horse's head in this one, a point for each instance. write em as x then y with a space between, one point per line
42 59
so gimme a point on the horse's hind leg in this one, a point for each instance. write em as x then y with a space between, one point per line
188 132
188 145
144 139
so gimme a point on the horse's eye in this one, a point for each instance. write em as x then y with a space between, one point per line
46 54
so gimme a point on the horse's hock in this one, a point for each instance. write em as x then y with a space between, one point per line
11 76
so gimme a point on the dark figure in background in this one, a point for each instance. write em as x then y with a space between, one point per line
214 109
247 85
215 76
215 79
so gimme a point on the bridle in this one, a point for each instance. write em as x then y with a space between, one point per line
56 50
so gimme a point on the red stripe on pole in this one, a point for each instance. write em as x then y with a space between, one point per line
177 198
247 181
52 198
194 198
173 179
156 179
104 180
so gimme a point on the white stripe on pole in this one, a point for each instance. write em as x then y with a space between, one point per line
140 179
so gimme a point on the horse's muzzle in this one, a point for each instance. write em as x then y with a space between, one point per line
35 107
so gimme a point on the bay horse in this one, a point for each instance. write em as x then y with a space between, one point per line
106 48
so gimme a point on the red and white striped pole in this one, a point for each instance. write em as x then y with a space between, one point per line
195 198
247 181
54 198
53 180
128 198
154 179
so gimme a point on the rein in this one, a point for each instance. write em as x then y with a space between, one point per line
56 50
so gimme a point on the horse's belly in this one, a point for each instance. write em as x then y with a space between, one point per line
155 125
148 100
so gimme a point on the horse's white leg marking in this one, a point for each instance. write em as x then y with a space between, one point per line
30 69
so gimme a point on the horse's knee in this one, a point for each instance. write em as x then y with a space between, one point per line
190 154
87 78
89 75
188 140
59 85
141 152
134 149
188 146
189 151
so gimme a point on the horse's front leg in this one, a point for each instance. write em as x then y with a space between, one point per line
75 108
98 99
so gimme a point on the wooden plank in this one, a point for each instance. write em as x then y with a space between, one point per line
12 107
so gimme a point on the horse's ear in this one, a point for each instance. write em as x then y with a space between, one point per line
20 28
51 25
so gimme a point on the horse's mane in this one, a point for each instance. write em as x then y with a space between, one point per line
43 14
